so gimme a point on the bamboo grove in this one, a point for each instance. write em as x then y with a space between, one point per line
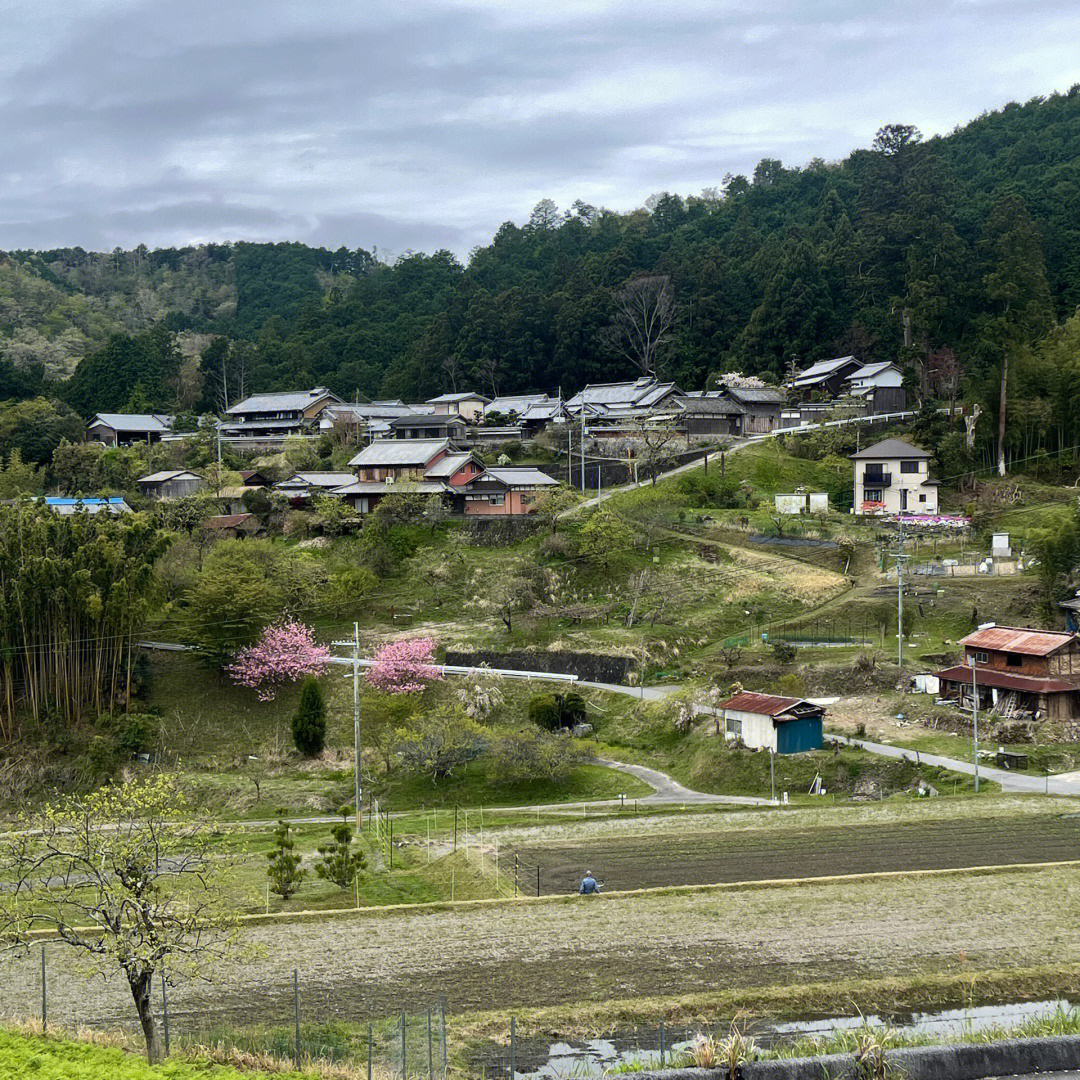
74 593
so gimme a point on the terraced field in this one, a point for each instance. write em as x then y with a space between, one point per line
648 860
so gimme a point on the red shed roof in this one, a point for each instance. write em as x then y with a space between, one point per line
225 521
1003 680
762 704
1018 639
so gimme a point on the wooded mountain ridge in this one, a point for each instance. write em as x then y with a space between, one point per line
958 246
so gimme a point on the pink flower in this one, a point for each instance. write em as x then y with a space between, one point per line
283 654
404 667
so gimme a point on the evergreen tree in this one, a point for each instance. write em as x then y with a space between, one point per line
339 861
309 720
284 871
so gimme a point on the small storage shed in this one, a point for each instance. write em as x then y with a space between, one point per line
172 484
785 725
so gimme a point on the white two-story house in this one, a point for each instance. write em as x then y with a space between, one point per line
893 477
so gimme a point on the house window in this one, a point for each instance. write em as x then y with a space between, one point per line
909 466
1014 660
872 495
496 500
922 498
733 727
980 657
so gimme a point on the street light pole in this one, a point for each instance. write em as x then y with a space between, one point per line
975 720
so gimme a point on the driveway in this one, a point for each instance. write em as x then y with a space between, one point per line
669 790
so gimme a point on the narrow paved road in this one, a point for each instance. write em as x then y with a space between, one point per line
714 455
669 790
1009 781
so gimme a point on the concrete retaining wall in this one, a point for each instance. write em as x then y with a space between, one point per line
963 1061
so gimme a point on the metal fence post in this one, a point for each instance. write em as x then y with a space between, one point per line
404 1071
430 1060
370 1037
296 1013
513 1046
44 1009
661 1044
538 881
442 1015
165 1013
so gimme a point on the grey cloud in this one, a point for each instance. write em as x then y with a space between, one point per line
423 125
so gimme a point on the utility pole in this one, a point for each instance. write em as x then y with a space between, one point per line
356 719
975 720
583 448
900 556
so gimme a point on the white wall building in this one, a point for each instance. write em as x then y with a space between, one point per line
893 477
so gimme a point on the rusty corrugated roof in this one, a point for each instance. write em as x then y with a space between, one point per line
762 704
985 676
1018 639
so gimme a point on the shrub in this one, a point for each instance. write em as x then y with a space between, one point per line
573 709
784 651
544 712
309 720
522 757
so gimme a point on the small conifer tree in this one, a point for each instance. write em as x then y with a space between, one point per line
340 862
309 721
284 871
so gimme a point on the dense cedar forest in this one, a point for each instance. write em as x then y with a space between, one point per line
946 254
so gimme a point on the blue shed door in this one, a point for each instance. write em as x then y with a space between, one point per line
795 736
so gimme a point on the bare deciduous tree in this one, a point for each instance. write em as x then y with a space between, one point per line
121 877
644 313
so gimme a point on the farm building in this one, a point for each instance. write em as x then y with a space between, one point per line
65 507
761 406
785 725
1018 671
232 525
171 484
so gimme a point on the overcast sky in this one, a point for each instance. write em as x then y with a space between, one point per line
421 125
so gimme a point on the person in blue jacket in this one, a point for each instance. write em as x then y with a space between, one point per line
588 884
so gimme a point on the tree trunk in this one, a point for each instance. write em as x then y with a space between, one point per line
141 984
1001 413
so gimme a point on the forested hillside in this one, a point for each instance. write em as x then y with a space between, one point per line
944 253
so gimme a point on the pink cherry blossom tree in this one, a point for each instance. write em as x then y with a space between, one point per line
285 653
405 666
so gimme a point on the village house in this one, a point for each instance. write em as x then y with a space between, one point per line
468 406
761 406
880 386
302 486
824 380
431 426
1017 671
231 497
171 484
508 491
784 725
398 460
702 415
622 399
268 419
893 477
126 429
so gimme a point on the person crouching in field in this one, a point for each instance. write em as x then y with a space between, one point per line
588 884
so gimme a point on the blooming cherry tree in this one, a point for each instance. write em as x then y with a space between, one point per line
285 653
405 666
